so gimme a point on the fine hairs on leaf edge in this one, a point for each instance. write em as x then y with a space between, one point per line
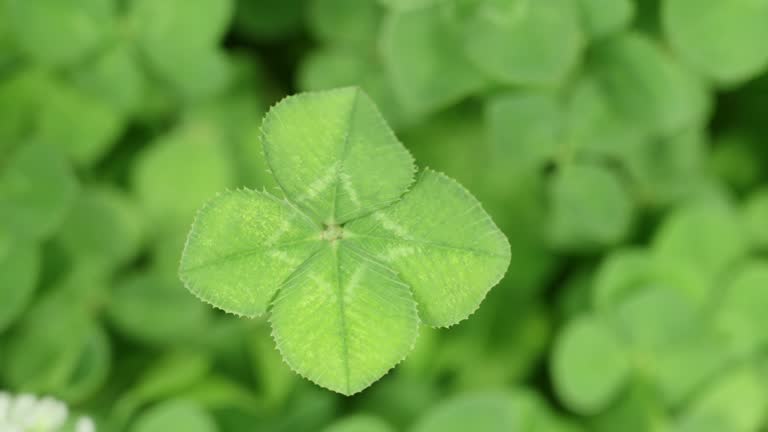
379 117
508 249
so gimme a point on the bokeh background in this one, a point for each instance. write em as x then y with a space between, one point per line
622 146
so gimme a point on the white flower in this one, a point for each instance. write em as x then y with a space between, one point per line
27 413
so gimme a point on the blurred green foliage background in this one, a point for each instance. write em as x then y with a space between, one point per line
622 145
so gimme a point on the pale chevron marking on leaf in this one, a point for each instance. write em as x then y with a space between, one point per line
285 227
396 252
390 225
347 186
284 257
245 254
433 244
320 185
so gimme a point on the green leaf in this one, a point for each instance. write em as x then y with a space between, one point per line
343 320
102 229
525 128
590 208
703 235
487 412
19 103
179 171
670 343
114 77
722 40
54 112
755 217
359 423
175 414
637 410
329 68
741 317
627 271
139 309
166 378
620 275
499 37
276 383
351 23
8 50
326 68
83 126
594 127
19 268
67 356
441 243
91 369
589 365
409 393
171 374
647 87
493 411
37 188
343 162
654 319
180 39
58 33
427 71
342 278
735 401
407 4
667 170
454 129
217 393
606 17
241 237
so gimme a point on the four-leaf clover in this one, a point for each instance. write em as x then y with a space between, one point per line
355 254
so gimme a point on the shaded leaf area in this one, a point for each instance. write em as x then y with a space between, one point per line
619 145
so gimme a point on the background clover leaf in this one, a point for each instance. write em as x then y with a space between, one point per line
179 40
342 261
589 365
19 267
732 32
58 33
418 47
493 411
37 188
590 206
606 17
645 85
173 414
716 409
497 33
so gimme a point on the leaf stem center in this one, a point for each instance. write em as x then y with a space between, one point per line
333 232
